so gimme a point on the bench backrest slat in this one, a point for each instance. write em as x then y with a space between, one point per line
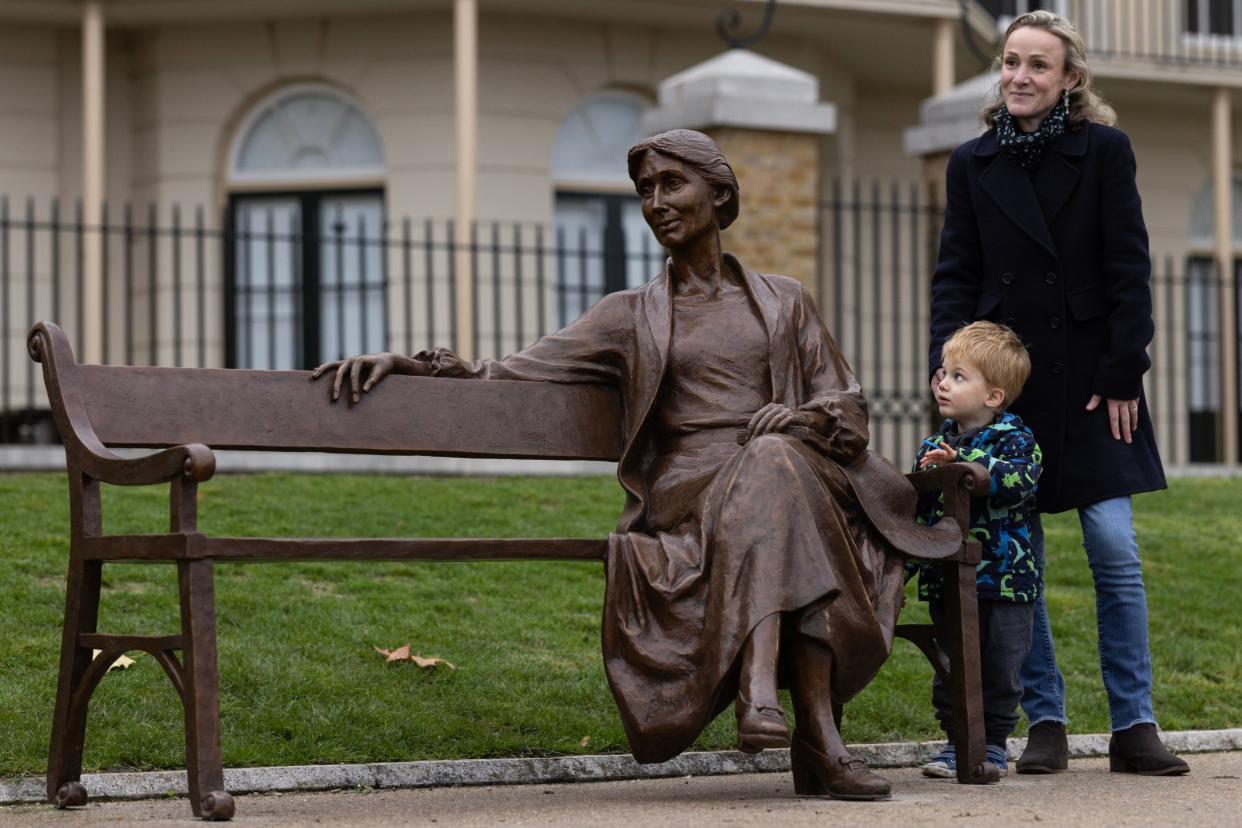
284 411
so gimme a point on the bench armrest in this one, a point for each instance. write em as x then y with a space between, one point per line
193 461
47 344
970 477
958 482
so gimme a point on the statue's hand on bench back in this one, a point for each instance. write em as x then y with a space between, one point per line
359 374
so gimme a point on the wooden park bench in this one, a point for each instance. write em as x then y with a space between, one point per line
187 413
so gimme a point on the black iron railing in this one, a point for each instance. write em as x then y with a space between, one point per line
180 289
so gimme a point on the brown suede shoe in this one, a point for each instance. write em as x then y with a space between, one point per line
1047 749
1139 750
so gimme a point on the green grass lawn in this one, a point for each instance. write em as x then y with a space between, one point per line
300 682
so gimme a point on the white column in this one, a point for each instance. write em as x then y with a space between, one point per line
92 175
942 57
466 83
1222 191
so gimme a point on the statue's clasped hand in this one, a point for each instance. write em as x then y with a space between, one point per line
775 417
359 374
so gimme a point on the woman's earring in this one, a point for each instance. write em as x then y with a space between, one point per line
1065 98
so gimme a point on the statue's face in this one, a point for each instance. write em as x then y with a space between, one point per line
678 203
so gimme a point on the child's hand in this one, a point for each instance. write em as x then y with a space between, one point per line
938 457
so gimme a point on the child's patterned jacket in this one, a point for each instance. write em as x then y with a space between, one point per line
1001 520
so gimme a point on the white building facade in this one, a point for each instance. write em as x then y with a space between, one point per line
311 177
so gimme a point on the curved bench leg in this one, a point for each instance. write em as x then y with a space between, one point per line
204 763
64 763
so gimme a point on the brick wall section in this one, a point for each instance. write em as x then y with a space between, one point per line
779 177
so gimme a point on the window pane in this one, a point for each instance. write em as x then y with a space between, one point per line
1001 8
643 254
592 141
267 290
1203 357
310 130
580 225
352 279
1220 16
1203 329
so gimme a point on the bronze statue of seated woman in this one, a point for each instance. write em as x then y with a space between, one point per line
734 568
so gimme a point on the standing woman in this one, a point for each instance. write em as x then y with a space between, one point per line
1043 231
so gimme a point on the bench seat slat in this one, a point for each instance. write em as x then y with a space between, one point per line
284 411
176 546
133 548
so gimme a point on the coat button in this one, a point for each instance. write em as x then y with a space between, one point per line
1050 278
1054 322
1006 278
1057 368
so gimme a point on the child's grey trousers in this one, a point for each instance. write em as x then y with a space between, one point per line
1005 637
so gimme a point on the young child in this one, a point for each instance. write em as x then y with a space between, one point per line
985 367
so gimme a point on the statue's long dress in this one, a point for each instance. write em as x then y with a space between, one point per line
733 535
715 536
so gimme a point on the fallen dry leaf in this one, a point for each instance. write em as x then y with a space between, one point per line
399 654
586 740
402 653
430 661
122 663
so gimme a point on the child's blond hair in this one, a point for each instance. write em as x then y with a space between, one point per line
996 351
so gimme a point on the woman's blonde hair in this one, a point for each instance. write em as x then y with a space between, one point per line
996 351
1085 103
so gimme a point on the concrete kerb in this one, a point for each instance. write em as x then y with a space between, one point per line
23 458
433 774
51 458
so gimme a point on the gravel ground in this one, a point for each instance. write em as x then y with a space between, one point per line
1087 795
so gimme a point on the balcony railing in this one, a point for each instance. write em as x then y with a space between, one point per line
1190 33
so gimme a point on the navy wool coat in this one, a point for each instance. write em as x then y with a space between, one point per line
1060 255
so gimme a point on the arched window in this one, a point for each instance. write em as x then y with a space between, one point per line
307 132
306 282
1203 215
606 245
593 139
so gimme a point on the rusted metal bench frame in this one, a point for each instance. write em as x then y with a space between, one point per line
183 410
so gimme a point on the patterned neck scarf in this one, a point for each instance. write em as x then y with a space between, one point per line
1026 148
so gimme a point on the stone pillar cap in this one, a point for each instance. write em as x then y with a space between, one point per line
952 118
742 89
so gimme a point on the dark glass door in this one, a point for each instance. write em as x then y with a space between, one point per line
305 278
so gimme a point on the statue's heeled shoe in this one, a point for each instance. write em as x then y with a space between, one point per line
838 777
760 727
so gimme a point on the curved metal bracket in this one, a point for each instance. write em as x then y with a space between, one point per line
99 666
968 34
923 636
729 21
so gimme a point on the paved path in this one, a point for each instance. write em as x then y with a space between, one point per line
1087 795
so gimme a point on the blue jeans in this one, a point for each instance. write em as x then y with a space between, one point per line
1121 622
